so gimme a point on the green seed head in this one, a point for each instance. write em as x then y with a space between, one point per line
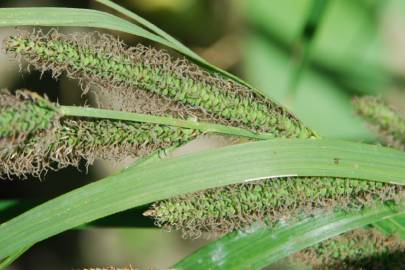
235 207
358 249
24 113
104 62
181 88
225 209
62 141
387 121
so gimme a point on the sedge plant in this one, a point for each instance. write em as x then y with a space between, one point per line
105 62
157 102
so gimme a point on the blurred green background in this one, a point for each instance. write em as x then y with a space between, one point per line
312 56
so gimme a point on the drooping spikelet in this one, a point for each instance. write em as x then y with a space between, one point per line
69 140
386 120
234 207
358 249
105 62
225 209
24 113
182 89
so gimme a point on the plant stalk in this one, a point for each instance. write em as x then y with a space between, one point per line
170 121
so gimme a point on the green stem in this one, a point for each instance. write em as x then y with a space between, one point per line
170 121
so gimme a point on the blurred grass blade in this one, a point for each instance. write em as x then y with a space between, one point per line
260 247
152 181
305 40
6 204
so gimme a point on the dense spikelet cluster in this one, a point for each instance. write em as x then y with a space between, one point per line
69 140
358 249
221 210
105 62
180 88
233 207
386 120
24 113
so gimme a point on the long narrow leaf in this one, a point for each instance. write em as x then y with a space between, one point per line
132 218
162 179
261 247
305 41
53 16
163 120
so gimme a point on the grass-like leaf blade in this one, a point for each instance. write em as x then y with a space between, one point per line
54 16
260 247
162 179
